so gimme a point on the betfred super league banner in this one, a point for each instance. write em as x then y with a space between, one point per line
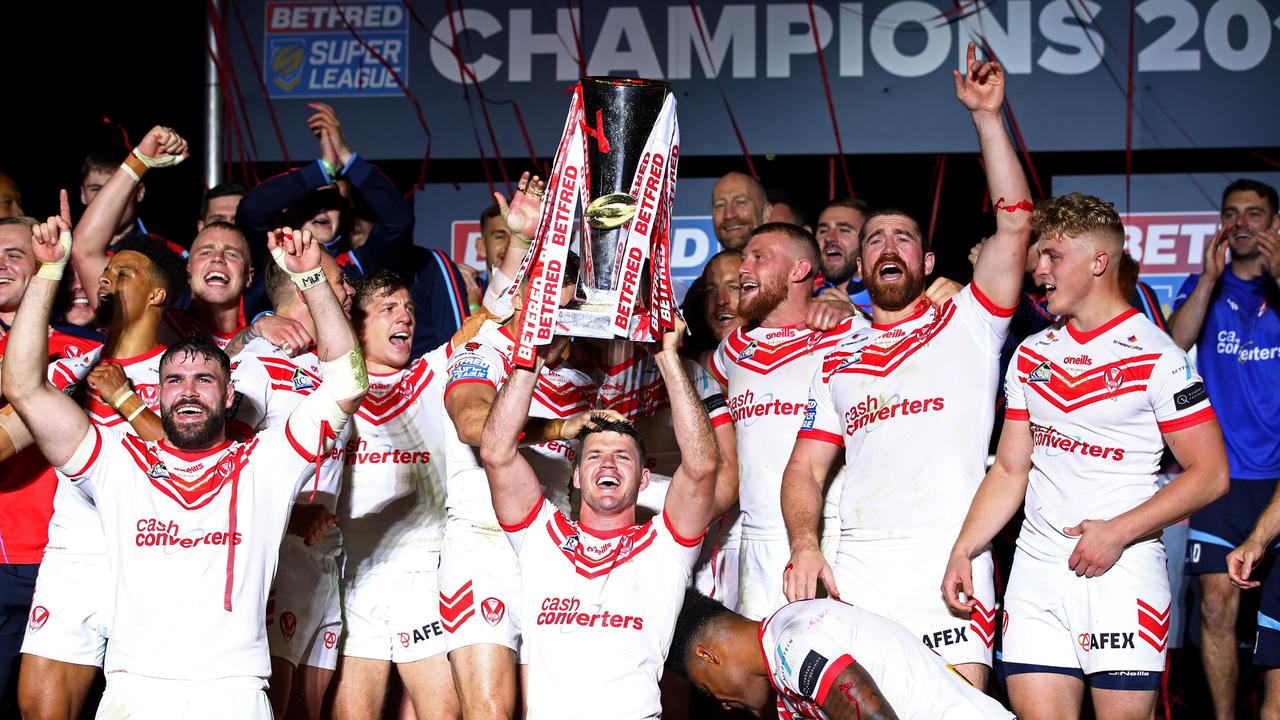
1173 218
1203 71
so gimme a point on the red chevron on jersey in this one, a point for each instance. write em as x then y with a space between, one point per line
1153 625
781 346
1067 391
564 399
288 376
203 487
593 562
456 609
385 401
983 623
887 351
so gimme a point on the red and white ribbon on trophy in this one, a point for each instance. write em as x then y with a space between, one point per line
646 235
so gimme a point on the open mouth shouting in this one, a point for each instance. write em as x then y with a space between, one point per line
217 279
890 271
401 341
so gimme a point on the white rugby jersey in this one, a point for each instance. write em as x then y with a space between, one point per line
766 374
597 612
912 403
178 324
392 501
561 392
269 385
74 528
807 644
1098 404
193 540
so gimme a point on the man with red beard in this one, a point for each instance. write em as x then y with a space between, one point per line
763 367
910 401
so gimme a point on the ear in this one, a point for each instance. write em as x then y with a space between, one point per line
199 226
480 254
800 270
576 483
1101 261
858 260
644 478
517 299
142 191
706 654
929 261
231 396
767 214
84 196
248 277
157 296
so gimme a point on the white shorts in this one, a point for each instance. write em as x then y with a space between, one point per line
392 616
71 611
304 616
761 564
479 587
143 698
716 574
903 584
1117 621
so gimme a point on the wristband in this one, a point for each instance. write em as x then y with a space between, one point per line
120 397
54 269
329 169
137 411
153 161
304 280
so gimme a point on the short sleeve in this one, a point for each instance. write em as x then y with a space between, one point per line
811 660
1177 393
983 315
1184 292
1015 396
538 516
66 373
720 362
711 394
290 455
475 362
248 409
496 300
821 421
91 465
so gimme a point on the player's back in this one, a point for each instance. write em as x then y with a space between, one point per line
807 645
1098 404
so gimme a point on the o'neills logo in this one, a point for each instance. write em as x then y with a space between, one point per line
745 406
567 611
359 452
874 410
1078 360
1046 437
159 533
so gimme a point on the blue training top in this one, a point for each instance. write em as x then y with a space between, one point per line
1238 354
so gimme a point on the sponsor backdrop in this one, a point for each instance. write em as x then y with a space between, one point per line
887 67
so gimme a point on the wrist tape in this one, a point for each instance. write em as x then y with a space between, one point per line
345 377
304 280
53 270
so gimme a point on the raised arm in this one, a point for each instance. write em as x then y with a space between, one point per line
1002 263
512 482
1188 317
998 498
26 356
161 147
803 484
691 497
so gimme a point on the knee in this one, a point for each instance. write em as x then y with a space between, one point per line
1219 604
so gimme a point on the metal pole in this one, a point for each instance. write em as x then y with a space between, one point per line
213 151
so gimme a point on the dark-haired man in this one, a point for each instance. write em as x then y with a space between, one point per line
1229 313
604 588
193 521
219 204
821 659
839 224
907 403
763 366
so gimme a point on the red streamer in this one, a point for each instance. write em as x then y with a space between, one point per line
124 134
733 120
1128 116
831 104
939 171
262 84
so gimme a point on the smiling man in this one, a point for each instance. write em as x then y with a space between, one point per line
907 403
605 588
202 513
738 206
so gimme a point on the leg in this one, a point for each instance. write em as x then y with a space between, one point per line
1271 700
429 684
360 688
309 687
523 671
485 680
52 689
1124 704
1219 606
1046 696
280 685
975 673
17 585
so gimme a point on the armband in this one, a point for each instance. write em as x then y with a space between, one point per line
304 280
119 398
53 270
1023 204
136 412
345 377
